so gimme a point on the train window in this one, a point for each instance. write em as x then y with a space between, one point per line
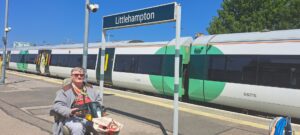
241 69
233 68
66 60
279 71
29 58
54 60
26 58
22 60
149 64
13 58
58 60
123 63
217 67
197 65
91 62
18 58
118 63
74 60
168 65
62 61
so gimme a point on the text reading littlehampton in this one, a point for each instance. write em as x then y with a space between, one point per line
135 18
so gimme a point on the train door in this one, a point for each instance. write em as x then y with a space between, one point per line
21 65
197 73
216 64
109 58
168 72
43 61
185 81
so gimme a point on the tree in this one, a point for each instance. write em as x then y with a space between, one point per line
256 15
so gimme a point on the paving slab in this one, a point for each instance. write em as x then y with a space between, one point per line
13 126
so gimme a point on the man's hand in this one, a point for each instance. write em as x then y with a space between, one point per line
74 111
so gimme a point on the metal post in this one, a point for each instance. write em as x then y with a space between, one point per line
102 64
86 35
176 71
6 30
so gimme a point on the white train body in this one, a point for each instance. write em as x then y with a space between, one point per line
257 71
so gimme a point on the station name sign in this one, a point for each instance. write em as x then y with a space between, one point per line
157 14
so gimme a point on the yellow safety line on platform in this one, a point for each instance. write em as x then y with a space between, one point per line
36 77
215 116
252 124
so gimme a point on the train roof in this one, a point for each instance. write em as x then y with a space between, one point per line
183 41
293 34
80 45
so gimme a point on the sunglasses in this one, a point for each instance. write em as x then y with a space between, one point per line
77 75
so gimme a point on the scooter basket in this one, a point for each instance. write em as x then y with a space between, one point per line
107 126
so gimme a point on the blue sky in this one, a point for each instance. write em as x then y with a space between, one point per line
59 21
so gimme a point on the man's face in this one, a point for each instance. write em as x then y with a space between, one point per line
77 76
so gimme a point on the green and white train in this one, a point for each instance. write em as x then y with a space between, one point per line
256 71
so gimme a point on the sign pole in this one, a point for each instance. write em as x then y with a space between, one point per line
101 83
4 59
86 35
176 67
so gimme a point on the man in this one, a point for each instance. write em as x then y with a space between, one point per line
67 100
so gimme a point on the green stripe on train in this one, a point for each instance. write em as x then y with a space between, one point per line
199 89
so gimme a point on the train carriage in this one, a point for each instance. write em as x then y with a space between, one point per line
148 66
257 71
64 59
23 60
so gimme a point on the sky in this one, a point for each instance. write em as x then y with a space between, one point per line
55 22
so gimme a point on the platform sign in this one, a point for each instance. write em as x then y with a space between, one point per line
152 15
146 16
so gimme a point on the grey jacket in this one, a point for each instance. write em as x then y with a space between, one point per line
63 101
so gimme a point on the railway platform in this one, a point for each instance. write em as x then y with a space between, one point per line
25 101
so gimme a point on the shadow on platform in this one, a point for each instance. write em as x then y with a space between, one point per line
140 118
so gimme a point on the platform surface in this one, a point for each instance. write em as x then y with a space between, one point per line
25 101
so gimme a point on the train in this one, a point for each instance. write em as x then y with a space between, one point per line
257 71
